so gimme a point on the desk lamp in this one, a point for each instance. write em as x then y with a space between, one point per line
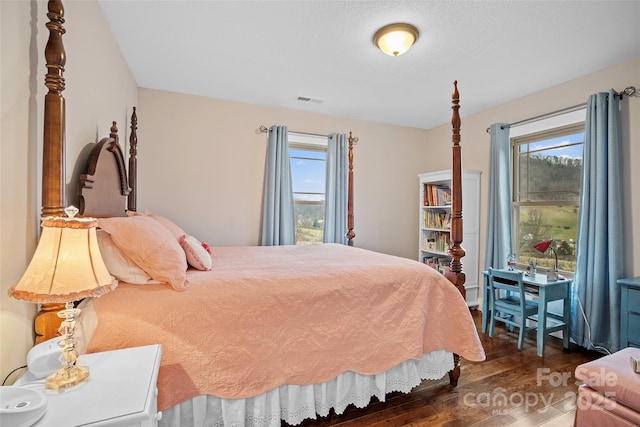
542 247
66 267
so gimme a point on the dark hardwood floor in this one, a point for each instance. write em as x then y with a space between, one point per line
510 388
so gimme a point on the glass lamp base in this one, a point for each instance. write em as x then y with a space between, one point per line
67 377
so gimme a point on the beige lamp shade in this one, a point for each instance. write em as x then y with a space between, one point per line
395 39
67 265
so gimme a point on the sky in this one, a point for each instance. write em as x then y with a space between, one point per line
308 175
563 144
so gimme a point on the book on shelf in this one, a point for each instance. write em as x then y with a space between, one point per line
446 222
437 219
442 268
443 196
437 241
436 195
441 264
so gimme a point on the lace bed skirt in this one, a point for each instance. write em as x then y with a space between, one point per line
295 403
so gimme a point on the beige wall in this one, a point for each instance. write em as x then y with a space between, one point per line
99 89
201 163
475 140
208 162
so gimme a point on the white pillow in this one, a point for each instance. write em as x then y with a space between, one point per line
119 264
198 253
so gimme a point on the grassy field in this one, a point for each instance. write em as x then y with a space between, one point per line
308 236
559 223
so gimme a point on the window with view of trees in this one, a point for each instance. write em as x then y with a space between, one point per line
308 156
546 191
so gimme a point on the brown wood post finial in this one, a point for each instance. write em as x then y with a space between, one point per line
53 151
113 130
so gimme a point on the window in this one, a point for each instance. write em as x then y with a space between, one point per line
308 156
546 191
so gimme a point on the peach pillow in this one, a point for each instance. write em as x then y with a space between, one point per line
173 228
120 265
198 253
151 246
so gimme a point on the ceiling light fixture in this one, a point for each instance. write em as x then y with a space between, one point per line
395 39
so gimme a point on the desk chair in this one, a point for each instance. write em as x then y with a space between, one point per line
513 308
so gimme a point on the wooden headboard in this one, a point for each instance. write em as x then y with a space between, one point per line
112 194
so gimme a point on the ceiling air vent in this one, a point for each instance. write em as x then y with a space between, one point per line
307 99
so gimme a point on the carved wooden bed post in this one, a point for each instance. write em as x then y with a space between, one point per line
455 273
350 233
133 162
53 150
456 252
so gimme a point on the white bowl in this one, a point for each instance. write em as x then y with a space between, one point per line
21 407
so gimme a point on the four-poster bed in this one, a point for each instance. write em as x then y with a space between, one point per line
265 347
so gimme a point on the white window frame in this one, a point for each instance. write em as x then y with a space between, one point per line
520 132
308 142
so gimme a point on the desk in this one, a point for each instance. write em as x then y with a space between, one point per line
546 292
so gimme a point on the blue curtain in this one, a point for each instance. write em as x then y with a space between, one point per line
335 211
498 240
599 252
278 226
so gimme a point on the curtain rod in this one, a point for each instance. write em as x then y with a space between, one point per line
264 129
628 91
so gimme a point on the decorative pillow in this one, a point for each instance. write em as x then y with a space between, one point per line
173 228
198 253
120 265
151 246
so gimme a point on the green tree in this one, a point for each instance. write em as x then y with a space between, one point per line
535 228
564 249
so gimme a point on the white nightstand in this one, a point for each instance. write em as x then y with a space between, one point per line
121 391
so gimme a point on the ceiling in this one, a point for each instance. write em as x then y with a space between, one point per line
272 52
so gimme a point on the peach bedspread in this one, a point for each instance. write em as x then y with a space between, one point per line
266 316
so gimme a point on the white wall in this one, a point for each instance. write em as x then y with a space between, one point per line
99 89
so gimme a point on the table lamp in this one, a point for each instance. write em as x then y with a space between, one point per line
542 247
66 267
